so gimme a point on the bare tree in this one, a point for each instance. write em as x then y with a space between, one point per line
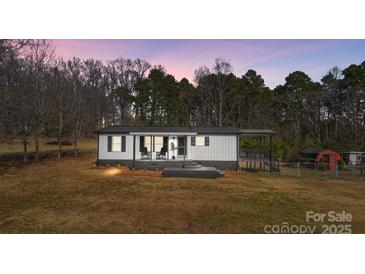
213 89
39 55
205 84
75 69
222 69
62 100
14 112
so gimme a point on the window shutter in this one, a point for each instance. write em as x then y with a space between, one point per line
123 144
206 143
141 143
109 143
192 141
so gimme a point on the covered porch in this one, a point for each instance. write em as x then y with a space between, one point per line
160 147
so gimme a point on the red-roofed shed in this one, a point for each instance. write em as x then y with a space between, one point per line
329 156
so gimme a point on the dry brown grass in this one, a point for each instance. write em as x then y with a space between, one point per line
72 196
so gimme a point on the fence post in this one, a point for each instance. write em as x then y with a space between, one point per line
298 169
270 154
336 171
315 168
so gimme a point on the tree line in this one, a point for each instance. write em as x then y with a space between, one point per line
41 94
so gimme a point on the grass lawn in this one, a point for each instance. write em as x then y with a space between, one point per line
72 196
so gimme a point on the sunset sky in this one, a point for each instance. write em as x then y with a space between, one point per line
273 59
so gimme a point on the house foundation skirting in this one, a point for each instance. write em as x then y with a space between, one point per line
146 164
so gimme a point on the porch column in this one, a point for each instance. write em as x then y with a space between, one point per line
185 145
151 148
168 149
134 151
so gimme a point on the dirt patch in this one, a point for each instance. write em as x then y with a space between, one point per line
63 142
125 171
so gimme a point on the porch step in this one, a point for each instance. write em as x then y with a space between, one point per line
192 165
202 172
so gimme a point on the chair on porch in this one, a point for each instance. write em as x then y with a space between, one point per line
162 154
144 153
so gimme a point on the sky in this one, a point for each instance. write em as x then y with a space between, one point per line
272 59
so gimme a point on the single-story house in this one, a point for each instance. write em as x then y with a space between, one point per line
152 147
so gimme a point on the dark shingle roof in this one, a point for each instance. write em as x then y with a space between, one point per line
257 132
311 150
199 130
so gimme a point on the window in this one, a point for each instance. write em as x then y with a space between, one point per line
158 143
147 143
199 141
116 143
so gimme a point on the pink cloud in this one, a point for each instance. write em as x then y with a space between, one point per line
182 61
97 49
273 59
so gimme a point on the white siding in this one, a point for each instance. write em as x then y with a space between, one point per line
221 148
103 148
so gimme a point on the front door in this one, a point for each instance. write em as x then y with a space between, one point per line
181 146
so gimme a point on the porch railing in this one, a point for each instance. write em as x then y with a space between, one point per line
252 159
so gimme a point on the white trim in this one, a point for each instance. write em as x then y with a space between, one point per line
163 133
